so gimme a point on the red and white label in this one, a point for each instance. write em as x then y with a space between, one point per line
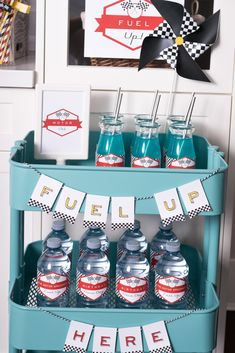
62 122
182 163
110 160
92 286
171 289
52 285
145 162
154 258
131 289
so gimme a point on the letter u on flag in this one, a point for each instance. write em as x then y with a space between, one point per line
78 337
45 193
123 212
169 206
130 340
69 204
104 340
194 198
96 211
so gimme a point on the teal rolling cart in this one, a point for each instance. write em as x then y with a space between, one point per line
35 330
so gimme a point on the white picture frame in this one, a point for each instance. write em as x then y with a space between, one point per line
62 129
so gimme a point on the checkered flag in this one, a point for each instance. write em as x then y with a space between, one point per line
179 40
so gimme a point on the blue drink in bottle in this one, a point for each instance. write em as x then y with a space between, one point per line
181 152
172 119
110 150
146 150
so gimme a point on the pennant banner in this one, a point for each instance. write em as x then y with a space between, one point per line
130 340
69 204
194 198
104 340
169 206
157 337
96 211
78 337
123 212
70 200
45 193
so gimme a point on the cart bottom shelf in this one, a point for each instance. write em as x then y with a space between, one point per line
38 331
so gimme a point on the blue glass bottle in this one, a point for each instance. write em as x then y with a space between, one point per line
146 151
110 150
181 153
172 119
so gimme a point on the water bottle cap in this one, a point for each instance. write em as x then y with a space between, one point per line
94 227
58 224
137 224
132 245
173 246
93 243
168 227
53 243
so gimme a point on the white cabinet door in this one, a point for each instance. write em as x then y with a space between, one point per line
58 71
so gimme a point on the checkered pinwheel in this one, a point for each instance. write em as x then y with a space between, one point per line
179 40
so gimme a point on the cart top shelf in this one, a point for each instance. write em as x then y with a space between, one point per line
126 181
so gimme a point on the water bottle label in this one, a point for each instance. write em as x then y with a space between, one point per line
154 258
145 162
170 289
52 285
182 163
131 289
109 160
92 286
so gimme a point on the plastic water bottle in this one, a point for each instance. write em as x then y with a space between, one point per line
129 234
158 243
94 232
53 271
92 285
171 279
58 231
132 277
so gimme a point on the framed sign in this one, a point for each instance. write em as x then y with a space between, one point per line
116 29
63 122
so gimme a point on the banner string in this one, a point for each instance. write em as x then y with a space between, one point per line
216 171
179 317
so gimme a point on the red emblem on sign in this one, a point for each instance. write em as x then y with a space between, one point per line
128 22
62 122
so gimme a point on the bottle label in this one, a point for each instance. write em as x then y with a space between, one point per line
182 163
145 162
131 289
154 258
170 289
110 160
92 286
52 285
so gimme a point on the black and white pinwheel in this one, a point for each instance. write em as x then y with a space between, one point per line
179 40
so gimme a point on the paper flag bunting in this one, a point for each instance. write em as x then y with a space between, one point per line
104 340
45 193
123 212
179 40
157 338
78 337
69 204
130 340
96 211
169 206
194 198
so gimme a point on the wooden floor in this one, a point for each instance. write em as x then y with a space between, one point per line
230 333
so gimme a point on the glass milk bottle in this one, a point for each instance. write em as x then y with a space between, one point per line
172 119
146 150
110 150
181 152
